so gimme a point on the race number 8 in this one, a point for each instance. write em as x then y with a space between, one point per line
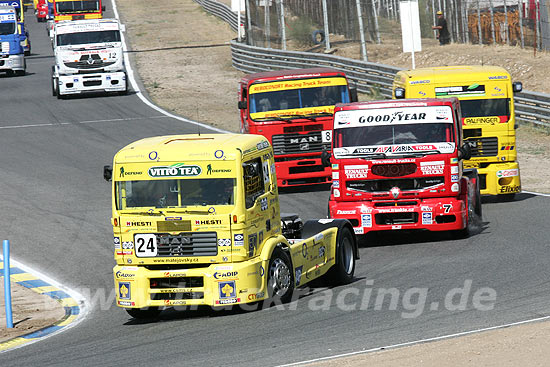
326 136
146 245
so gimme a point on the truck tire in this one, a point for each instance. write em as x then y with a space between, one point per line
143 313
54 87
475 214
342 272
280 280
318 36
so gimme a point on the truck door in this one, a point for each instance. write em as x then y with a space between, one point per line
259 222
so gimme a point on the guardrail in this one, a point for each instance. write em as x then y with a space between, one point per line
372 78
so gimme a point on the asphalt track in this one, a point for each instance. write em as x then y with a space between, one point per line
56 213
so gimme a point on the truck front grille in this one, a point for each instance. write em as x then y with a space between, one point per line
417 183
483 147
298 143
92 61
187 244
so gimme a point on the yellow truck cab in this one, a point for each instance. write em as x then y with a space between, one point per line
487 106
196 221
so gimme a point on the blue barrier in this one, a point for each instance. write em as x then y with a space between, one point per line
7 285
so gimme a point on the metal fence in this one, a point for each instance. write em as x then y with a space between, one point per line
371 78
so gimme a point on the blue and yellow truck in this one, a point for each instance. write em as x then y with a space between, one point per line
12 55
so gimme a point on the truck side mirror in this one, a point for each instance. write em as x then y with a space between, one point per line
353 94
517 87
242 105
325 158
465 152
107 173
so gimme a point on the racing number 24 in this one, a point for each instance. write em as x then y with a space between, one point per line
146 245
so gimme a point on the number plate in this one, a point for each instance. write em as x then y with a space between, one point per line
146 245
326 136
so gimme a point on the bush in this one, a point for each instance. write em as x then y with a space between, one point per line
300 29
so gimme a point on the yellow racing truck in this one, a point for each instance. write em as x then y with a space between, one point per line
196 221
486 95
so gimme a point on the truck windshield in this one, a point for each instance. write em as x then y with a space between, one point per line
175 193
78 6
7 28
81 38
298 98
485 107
394 134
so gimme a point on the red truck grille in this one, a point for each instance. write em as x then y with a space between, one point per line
394 170
298 143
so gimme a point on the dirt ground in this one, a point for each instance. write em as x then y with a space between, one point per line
31 311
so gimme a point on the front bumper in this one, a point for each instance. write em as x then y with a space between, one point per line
500 178
89 83
215 285
12 62
434 214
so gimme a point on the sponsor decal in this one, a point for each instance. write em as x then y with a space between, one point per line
122 275
510 189
298 274
335 175
227 289
173 218
454 169
138 224
238 239
366 220
210 171
482 120
254 296
262 145
432 168
176 170
454 187
263 204
124 173
116 241
359 171
498 77
507 147
508 173
228 301
335 166
322 251
426 81
454 160
208 222
336 183
304 249
346 212
224 242
396 210
366 209
336 193
425 208
426 218
126 303
396 227
226 275
359 230
124 290
454 178
252 244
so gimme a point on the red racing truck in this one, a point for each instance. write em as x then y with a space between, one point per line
398 165
293 110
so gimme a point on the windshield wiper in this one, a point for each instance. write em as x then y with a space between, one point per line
276 118
292 117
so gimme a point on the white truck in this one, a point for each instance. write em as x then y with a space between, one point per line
88 57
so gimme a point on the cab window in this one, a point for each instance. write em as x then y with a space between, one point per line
253 181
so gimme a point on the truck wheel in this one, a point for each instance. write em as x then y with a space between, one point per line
342 271
143 313
54 87
280 282
474 212
20 72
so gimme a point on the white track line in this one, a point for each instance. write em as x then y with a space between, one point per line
83 303
131 76
81 122
393 346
